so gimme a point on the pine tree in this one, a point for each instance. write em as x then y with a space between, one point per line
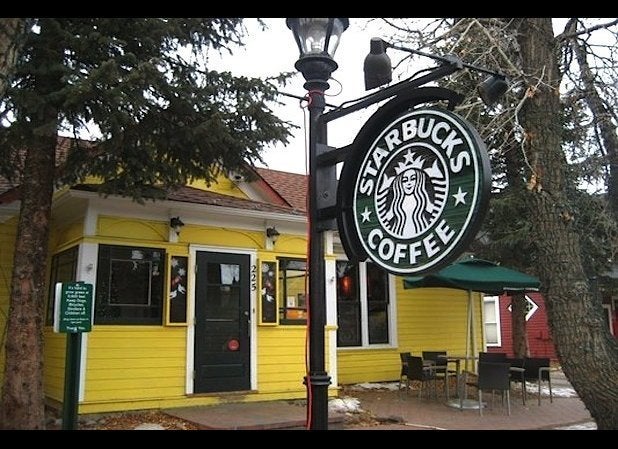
161 119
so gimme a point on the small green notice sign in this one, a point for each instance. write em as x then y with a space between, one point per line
73 307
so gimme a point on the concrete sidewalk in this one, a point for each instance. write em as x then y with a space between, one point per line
412 413
395 410
270 415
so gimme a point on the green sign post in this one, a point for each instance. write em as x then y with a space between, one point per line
74 307
72 315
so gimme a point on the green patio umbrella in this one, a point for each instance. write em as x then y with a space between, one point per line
475 275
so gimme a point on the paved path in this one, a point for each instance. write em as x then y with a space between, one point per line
385 409
395 410
414 413
409 412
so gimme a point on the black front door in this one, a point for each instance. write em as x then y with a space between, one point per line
222 349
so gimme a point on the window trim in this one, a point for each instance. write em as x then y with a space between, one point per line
391 309
608 318
498 322
262 288
282 292
354 268
161 320
53 279
167 310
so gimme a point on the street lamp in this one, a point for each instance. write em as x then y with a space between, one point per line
317 40
329 204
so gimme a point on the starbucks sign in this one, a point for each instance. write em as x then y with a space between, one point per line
414 190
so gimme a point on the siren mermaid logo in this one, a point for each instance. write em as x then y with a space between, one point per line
412 197
419 190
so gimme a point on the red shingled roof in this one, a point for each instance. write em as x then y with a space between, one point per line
291 186
286 192
198 196
62 150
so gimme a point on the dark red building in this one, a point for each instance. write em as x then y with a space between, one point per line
500 336
499 330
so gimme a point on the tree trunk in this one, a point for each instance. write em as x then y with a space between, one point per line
10 31
587 352
22 394
518 321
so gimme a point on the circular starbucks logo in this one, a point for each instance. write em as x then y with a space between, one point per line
419 192
411 192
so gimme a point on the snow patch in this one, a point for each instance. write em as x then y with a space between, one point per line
391 386
562 392
582 426
344 405
149 426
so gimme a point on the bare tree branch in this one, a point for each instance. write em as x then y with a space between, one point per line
564 36
512 66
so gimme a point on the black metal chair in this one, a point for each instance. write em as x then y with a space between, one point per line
537 370
403 356
492 357
518 374
417 371
493 376
439 361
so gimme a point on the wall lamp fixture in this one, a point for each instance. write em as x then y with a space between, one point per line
272 234
176 224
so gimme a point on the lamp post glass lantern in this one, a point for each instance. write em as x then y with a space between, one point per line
317 40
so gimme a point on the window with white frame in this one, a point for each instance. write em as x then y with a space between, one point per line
63 269
130 282
491 317
363 305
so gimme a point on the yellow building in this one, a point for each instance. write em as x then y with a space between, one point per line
198 301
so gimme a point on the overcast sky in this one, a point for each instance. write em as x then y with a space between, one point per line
269 52
272 51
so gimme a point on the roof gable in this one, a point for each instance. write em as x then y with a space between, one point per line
192 195
292 187
270 190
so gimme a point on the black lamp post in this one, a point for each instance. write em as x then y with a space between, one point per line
317 40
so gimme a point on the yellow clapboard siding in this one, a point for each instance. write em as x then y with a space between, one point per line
134 353
7 242
284 381
130 371
376 366
69 233
127 331
281 358
427 319
135 383
278 368
146 342
155 393
223 184
54 352
108 226
285 387
147 363
274 359
135 363
102 406
282 343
